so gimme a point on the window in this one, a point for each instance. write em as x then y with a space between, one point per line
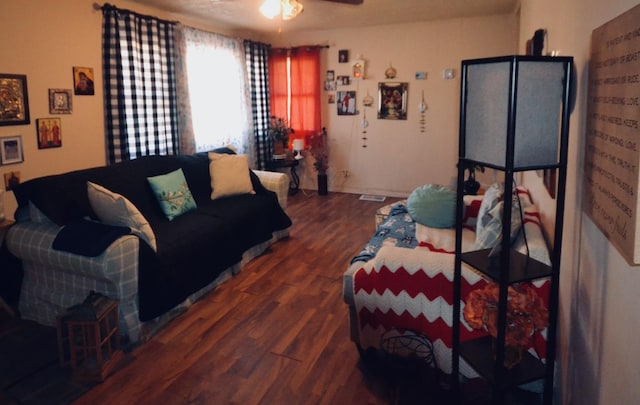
294 84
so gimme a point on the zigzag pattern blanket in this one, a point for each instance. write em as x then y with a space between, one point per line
411 289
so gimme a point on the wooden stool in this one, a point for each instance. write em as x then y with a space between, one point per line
90 346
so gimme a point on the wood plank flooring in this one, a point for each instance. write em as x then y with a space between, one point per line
277 333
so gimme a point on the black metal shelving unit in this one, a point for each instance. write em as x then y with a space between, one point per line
514 117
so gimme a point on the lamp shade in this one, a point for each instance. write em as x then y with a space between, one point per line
298 144
515 99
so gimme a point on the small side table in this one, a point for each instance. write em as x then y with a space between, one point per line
291 164
4 226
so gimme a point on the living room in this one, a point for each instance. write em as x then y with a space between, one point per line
597 360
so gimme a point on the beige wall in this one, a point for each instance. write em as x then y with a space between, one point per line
44 39
398 156
599 320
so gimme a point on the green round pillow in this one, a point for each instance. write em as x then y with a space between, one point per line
433 205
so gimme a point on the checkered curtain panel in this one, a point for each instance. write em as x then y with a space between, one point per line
257 57
139 85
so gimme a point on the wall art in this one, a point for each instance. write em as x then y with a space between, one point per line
346 103
49 133
343 56
83 81
11 179
60 101
14 100
11 150
392 101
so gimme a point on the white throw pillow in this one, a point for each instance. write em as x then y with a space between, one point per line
229 175
115 209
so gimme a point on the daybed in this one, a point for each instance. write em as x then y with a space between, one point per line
153 253
401 282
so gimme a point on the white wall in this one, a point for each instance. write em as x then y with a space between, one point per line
599 321
398 156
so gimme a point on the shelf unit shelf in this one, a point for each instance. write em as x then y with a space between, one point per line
514 118
521 267
480 355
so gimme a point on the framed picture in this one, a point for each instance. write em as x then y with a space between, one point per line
331 98
344 80
59 101
329 85
346 103
11 150
392 101
331 75
49 133
343 56
14 100
11 179
83 81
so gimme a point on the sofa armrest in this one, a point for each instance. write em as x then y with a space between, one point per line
54 280
276 182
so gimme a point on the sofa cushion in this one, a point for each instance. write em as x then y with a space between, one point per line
115 209
229 175
433 205
173 193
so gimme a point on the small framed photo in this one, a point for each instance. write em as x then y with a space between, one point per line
392 101
49 133
83 81
11 150
331 98
421 75
59 101
14 100
329 85
343 56
346 103
331 75
11 179
344 80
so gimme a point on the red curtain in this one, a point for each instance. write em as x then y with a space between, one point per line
304 81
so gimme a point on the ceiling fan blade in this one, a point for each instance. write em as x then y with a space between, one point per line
354 2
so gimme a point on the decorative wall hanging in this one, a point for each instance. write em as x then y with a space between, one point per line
422 107
357 69
11 150
364 124
14 100
346 103
83 81
421 75
49 133
344 80
60 101
391 72
392 101
367 101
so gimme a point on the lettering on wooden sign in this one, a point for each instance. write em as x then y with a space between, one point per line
612 147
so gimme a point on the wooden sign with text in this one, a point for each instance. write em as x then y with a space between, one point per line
612 144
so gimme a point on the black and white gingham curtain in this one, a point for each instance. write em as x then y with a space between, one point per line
257 55
139 85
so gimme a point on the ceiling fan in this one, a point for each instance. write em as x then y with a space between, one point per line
354 2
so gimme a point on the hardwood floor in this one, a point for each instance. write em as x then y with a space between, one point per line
275 334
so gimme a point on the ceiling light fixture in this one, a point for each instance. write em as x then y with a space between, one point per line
285 9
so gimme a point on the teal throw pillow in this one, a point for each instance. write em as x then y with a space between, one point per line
433 205
173 194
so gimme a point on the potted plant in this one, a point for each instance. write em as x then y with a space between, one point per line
319 149
279 133
526 313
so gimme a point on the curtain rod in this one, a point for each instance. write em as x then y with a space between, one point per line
97 6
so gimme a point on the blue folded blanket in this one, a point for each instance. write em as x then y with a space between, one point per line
399 229
87 238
